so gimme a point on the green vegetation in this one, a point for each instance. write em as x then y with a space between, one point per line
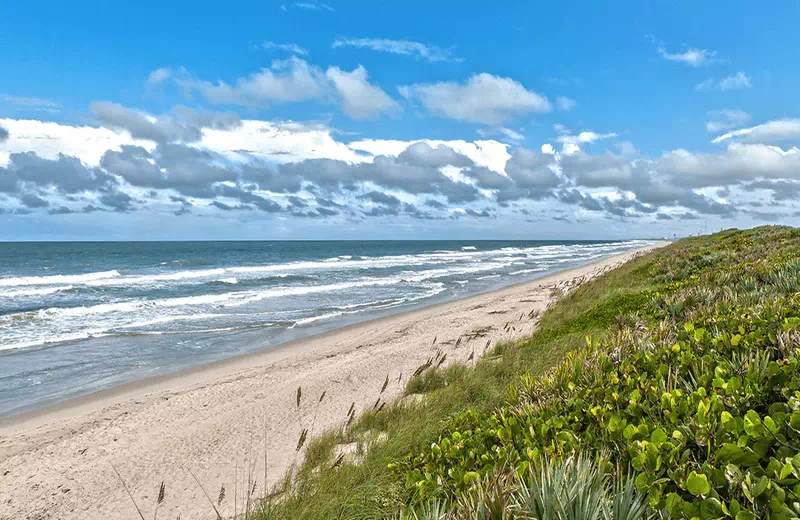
677 372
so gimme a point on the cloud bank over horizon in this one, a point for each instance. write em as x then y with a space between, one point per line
413 155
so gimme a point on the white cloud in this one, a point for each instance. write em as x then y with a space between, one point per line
739 162
29 102
735 81
284 81
772 131
511 135
571 144
584 137
159 76
295 80
48 140
288 47
360 99
431 53
489 153
692 56
313 6
720 120
279 142
565 104
484 98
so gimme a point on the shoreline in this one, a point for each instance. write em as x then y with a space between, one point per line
98 398
210 414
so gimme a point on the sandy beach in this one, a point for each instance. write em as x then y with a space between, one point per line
216 420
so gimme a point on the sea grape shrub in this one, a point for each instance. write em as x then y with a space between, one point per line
710 424
704 414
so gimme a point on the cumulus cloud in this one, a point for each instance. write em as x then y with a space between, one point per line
359 98
49 140
739 162
431 53
141 125
400 173
739 80
483 98
3 134
770 132
424 155
572 143
294 80
285 81
207 162
65 174
726 119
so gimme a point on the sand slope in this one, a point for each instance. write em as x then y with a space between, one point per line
57 463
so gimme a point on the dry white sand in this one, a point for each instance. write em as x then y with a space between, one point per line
57 463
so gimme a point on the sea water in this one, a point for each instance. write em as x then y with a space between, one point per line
80 317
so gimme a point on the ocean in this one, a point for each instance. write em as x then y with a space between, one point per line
80 317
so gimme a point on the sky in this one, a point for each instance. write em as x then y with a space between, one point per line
396 120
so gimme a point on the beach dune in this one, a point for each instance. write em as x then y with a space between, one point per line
220 420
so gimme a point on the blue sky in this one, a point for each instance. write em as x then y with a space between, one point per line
291 119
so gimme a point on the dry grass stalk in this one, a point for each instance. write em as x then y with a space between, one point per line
124 485
299 395
422 368
385 383
302 439
162 494
219 516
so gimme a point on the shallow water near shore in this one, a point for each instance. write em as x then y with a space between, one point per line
80 317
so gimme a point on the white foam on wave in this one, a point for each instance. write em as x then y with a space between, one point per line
111 330
366 307
162 277
22 293
57 279
239 298
58 324
342 262
229 281
526 271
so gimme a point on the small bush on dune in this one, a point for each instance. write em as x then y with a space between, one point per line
571 489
